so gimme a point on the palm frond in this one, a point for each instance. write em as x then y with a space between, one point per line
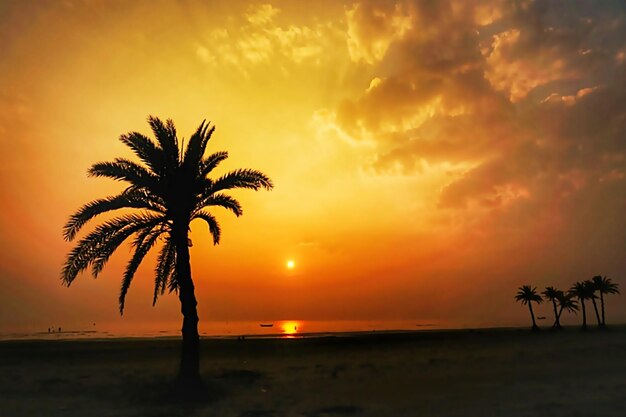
211 221
96 244
242 178
88 248
146 233
590 289
131 198
166 263
142 247
527 294
125 170
551 293
209 163
605 285
145 149
221 200
584 290
568 302
165 133
142 230
172 283
611 288
197 145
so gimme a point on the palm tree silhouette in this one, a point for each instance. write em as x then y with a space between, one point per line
604 285
567 302
169 190
591 287
582 291
552 294
528 295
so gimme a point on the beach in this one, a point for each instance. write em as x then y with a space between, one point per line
497 372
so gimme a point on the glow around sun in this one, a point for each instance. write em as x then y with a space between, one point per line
291 264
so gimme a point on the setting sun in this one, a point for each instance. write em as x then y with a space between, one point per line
290 327
291 264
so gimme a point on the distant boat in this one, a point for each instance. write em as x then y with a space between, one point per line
541 318
266 325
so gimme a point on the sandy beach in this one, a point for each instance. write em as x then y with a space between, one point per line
438 373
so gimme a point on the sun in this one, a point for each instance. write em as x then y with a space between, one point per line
291 264
290 328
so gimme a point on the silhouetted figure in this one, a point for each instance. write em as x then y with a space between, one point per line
48 330
527 295
59 330
604 285
169 189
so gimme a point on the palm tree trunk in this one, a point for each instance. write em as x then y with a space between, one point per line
189 371
582 303
595 308
557 323
602 305
532 316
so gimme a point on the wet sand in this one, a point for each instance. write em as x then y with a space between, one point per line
441 373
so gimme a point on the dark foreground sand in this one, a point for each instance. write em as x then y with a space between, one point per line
457 373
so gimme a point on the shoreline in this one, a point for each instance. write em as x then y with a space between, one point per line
390 334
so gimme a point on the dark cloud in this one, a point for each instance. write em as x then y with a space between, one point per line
523 101
540 87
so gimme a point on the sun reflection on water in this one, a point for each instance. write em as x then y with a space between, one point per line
290 328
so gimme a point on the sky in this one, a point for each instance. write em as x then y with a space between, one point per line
428 157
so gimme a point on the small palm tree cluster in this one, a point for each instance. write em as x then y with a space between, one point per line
571 300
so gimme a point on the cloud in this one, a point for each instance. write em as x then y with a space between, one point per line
522 103
257 38
373 26
261 15
428 71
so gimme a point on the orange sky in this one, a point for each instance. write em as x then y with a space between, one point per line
428 157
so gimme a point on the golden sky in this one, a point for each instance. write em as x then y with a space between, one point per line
428 157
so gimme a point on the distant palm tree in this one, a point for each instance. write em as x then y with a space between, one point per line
591 287
567 302
552 294
527 295
582 291
169 190
604 285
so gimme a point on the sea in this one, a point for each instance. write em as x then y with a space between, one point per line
226 329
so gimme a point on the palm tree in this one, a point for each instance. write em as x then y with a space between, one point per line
528 295
604 285
168 191
591 287
552 294
567 302
582 291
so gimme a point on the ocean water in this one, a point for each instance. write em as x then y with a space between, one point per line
225 329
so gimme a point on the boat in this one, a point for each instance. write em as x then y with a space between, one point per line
266 324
